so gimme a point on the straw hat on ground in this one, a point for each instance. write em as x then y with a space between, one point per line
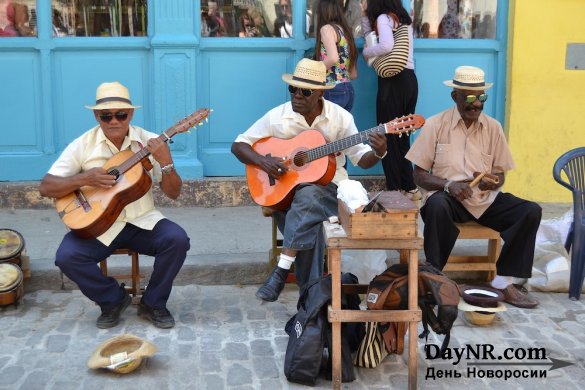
469 78
480 304
112 95
308 74
121 354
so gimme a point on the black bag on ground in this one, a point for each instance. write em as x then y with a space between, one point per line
389 291
310 332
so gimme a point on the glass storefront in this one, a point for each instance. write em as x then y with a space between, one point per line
263 18
99 18
18 18
455 19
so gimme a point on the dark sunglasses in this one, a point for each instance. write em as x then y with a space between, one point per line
472 98
121 116
304 91
284 6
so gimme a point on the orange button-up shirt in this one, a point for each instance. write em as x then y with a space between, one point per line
448 149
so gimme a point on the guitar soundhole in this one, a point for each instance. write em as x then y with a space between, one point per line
114 172
300 159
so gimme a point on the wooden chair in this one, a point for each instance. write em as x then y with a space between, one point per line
134 289
475 231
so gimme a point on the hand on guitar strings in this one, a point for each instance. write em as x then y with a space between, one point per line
378 142
98 177
274 166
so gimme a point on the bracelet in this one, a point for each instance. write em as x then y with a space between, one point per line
446 187
382 156
167 169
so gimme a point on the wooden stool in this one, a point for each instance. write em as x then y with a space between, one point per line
276 246
135 290
474 231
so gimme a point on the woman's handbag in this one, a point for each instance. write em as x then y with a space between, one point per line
392 63
372 350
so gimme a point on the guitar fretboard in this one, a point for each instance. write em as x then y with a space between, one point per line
141 154
341 144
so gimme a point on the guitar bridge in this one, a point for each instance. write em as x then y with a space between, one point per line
82 200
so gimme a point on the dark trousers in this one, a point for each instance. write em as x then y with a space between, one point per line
516 220
397 97
78 258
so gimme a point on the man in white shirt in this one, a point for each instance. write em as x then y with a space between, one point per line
312 204
139 227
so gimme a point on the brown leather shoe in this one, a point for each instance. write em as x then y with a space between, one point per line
519 297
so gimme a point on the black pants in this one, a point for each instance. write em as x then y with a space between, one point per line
397 97
516 219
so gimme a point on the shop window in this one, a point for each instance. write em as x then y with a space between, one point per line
18 18
247 18
455 19
99 18
351 9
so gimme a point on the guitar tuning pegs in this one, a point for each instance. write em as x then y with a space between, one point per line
211 110
200 123
206 120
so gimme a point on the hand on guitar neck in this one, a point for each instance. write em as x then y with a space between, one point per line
274 166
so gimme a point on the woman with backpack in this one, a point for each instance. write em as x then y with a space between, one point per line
397 95
335 46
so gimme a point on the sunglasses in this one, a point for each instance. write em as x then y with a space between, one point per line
304 91
472 98
284 6
121 116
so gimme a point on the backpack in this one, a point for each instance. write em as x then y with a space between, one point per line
308 352
389 291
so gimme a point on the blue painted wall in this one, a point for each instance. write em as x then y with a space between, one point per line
46 83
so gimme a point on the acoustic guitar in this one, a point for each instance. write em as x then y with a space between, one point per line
91 211
309 160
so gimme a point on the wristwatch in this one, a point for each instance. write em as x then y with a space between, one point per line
446 187
167 169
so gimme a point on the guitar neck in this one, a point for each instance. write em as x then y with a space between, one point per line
143 153
342 144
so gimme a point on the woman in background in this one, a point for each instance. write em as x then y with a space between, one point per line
335 46
397 95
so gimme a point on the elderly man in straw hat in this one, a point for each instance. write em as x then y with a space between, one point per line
453 148
139 227
312 204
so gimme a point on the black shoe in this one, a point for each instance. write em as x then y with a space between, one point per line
111 317
272 287
161 318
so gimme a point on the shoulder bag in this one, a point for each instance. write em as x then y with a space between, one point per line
392 63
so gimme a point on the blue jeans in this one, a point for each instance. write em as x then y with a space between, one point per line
302 226
342 95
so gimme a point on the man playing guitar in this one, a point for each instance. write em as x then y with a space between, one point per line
139 226
311 204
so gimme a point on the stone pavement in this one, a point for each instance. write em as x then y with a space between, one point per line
226 338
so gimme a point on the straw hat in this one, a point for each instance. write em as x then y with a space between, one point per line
111 95
480 304
469 78
121 354
308 74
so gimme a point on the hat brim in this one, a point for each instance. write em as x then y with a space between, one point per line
109 105
288 78
97 360
464 306
449 83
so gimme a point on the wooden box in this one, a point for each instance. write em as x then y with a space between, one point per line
399 221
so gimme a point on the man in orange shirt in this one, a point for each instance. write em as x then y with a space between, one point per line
453 147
